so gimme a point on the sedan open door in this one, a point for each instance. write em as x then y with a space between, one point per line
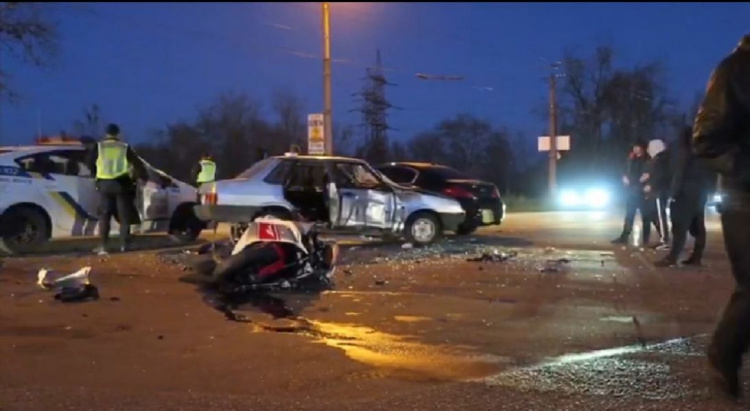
358 198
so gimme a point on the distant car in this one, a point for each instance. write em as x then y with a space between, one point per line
480 199
47 191
585 194
344 193
715 201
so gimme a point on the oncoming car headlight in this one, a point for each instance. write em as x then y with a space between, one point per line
597 198
591 198
569 198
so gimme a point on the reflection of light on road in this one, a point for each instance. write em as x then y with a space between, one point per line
404 358
636 235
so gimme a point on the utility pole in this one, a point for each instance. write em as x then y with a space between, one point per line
552 133
327 94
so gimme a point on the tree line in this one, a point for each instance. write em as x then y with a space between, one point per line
603 105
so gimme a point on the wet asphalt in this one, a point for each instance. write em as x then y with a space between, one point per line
539 314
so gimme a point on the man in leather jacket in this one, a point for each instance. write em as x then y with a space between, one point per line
633 180
721 137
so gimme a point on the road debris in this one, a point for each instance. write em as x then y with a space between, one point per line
493 257
555 266
75 287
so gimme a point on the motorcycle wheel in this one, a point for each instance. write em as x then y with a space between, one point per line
227 272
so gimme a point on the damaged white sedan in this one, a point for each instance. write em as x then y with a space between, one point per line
345 194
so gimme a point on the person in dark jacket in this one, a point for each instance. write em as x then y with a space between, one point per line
657 188
634 179
721 137
688 196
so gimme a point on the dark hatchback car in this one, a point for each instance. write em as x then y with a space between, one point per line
480 199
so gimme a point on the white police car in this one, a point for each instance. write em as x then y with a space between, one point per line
47 191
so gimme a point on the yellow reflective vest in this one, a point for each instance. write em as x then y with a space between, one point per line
112 159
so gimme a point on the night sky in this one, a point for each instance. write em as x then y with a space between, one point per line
148 64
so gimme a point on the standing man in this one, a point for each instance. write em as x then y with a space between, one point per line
633 179
205 170
111 160
721 136
657 188
689 194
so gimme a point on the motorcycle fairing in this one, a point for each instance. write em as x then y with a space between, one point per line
272 230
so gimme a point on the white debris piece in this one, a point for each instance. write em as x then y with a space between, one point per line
407 245
49 279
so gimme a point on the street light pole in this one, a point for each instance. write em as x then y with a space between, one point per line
552 133
327 94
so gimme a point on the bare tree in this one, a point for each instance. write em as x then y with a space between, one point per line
343 140
90 124
26 35
291 124
583 103
606 108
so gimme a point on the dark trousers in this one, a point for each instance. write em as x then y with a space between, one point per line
688 216
633 204
660 219
114 199
732 336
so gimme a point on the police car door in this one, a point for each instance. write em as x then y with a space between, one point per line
73 200
152 196
86 195
364 199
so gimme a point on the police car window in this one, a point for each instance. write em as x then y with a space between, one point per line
62 162
356 175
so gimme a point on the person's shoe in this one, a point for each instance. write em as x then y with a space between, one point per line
666 262
101 250
692 261
662 247
724 374
620 240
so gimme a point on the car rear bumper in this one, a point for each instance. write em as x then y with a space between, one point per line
451 221
226 213
484 212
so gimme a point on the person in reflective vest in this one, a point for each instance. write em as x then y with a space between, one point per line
111 161
205 172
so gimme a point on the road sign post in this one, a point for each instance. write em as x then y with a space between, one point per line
316 144
563 143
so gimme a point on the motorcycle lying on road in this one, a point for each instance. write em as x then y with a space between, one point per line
274 254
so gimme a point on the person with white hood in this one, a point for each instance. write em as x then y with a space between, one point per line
657 187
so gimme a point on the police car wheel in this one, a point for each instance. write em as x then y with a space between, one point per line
24 230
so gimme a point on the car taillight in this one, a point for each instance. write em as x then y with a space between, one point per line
458 192
210 198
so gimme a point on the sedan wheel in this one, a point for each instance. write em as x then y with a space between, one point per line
422 229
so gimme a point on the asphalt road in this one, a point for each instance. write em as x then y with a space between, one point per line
565 321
